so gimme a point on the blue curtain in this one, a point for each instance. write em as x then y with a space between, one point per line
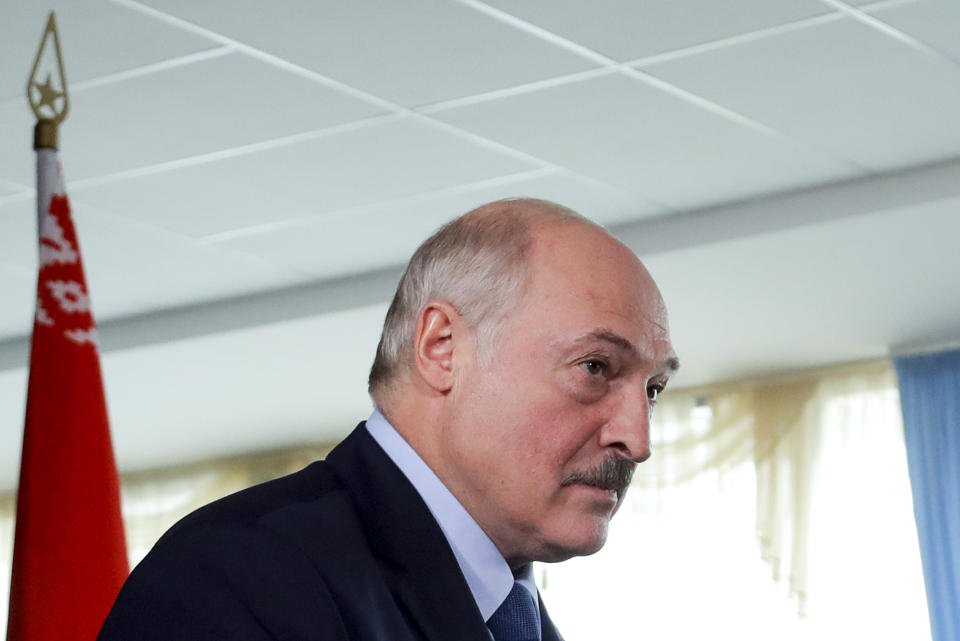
930 395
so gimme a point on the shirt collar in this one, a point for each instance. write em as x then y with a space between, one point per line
487 574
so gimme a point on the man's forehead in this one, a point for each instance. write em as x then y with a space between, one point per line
580 254
626 300
548 236
582 277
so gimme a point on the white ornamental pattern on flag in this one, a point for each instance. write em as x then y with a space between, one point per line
62 299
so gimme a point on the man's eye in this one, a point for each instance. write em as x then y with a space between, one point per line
654 391
595 367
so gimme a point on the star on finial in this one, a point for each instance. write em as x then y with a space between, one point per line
50 102
48 94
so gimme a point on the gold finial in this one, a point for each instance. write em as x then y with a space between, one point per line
49 100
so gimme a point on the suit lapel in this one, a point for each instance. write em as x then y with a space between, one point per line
407 539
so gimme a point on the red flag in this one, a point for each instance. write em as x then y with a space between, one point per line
69 557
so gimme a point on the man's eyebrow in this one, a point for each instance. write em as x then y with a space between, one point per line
672 364
616 339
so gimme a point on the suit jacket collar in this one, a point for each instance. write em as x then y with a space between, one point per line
403 533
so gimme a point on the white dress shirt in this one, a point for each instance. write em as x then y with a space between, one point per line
487 573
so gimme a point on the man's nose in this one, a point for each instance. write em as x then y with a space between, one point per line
628 428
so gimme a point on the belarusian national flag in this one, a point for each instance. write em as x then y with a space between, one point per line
69 557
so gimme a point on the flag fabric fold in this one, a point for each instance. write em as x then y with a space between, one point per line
69 556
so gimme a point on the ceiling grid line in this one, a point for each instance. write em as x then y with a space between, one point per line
888 30
759 34
629 71
17 197
290 223
352 91
14 185
538 31
144 70
174 235
187 240
260 55
516 90
740 38
477 139
743 120
610 63
611 66
233 152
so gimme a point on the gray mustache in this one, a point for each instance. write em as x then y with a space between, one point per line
612 474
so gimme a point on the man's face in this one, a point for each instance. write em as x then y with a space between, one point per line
536 436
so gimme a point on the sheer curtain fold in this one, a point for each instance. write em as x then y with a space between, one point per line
154 500
788 428
771 425
785 444
763 500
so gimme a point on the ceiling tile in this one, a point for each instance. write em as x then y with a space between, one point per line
97 38
8 188
13 405
935 23
627 29
132 268
336 171
840 86
18 233
623 132
17 287
841 290
305 379
413 53
17 160
206 106
387 234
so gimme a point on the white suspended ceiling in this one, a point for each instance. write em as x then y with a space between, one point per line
248 177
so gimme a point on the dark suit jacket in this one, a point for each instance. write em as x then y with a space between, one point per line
343 550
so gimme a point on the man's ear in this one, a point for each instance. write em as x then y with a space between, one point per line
439 332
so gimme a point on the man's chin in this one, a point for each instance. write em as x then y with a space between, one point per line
588 541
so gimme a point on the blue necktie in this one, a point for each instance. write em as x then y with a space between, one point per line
517 618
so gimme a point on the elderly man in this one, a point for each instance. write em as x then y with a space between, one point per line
519 364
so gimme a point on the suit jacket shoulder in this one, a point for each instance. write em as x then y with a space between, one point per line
344 549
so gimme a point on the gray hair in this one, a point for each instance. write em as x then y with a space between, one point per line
478 264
